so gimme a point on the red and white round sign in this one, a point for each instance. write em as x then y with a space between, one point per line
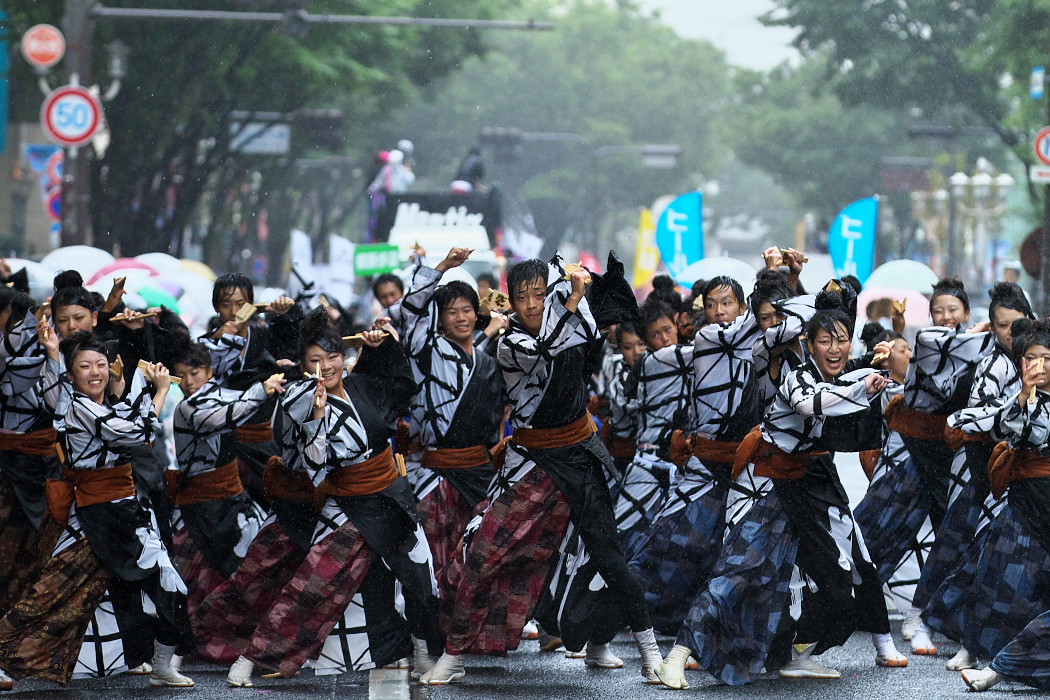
43 45
1041 145
71 115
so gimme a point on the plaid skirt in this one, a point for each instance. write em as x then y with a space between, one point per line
312 603
41 635
25 549
200 576
226 620
1010 587
444 514
894 509
733 622
676 556
499 577
1026 659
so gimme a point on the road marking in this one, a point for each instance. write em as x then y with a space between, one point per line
388 684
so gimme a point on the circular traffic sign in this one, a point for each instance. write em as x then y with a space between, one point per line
71 115
43 45
1042 145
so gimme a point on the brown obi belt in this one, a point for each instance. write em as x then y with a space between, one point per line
253 433
224 482
456 457
869 459
87 487
915 424
769 460
286 484
551 438
1008 465
40 443
705 449
955 438
363 478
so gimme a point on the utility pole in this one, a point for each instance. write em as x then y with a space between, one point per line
1044 270
76 185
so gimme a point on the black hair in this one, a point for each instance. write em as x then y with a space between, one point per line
831 312
665 290
951 287
68 278
7 296
20 305
873 333
317 329
853 282
697 289
489 279
81 341
1007 295
725 281
73 296
387 278
194 355
624 328
448 293
1027 333
652 311
524 273
229 283
771 286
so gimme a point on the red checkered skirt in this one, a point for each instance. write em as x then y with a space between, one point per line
226 619
499 577
41 635
25 549
201 577
310 606
444 514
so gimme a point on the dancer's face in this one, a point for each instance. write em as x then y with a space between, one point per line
631 347
948 311
662 333
90 374
192 377
70 319
900 357
768 316
458 320
830 350
527 301
1002 319
331 363
722 306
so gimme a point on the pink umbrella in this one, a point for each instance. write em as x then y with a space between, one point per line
121 264
916 314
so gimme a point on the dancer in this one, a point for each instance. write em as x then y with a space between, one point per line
1009 587
109 536
995 381
792 511
554 474
1026 659
620 426
367 531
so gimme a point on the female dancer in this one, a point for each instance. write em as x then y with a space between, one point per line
910 483
368 534
995 381
1010 586
792 511
110 537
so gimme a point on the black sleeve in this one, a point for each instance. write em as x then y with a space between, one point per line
858 362
284 334
389 377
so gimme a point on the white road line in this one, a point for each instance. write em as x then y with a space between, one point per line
388 684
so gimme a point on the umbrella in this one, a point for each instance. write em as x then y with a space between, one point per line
161 261
199 268
85 259
40 276
118 267
713 267
903 274
158 297
917 312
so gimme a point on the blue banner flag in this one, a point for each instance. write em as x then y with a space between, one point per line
680 233
851 240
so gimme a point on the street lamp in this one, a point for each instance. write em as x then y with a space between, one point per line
980 200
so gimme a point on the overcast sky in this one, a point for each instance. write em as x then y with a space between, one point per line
731 25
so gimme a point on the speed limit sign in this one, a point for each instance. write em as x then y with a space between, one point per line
71 115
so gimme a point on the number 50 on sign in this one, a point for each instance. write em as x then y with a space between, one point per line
71 115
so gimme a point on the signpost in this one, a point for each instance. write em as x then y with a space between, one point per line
71 115
43 46
375 259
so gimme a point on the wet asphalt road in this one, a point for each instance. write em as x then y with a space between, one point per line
528 673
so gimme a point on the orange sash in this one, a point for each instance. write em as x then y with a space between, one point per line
1008 465
88 487
40 443
915 424
253 433
456 457
286 484
361 479
551 438
224 482
769 460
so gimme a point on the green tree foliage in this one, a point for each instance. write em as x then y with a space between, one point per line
171 123
610 74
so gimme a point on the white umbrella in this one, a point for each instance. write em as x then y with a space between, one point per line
162 262
41 277
85 259
903 274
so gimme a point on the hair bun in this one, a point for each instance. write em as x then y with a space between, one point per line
828 301
1004 290
663 282
872 334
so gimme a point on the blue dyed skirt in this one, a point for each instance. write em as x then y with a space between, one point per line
1026 659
